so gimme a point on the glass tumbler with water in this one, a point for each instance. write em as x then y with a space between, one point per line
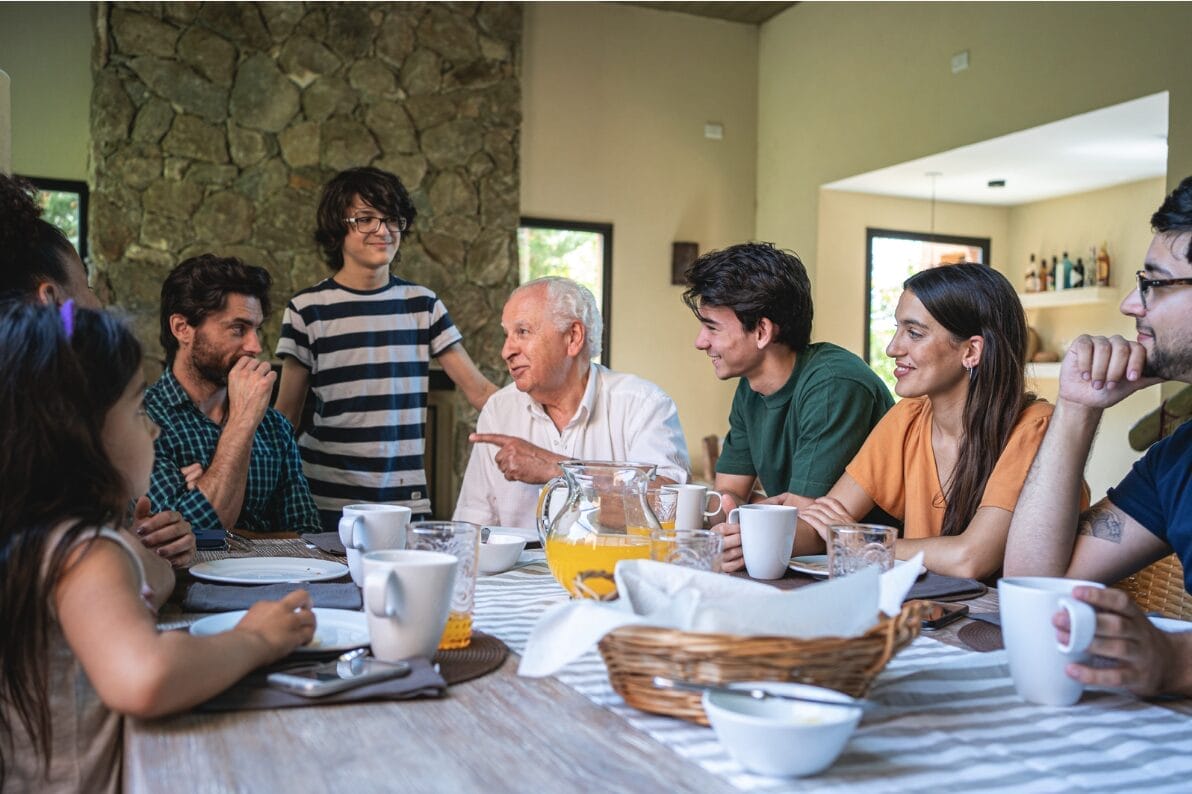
852 547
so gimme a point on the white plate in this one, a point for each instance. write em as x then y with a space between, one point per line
1172 625
817 565
335 629
268 570
530 535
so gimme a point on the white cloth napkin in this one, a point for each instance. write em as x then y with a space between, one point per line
664 595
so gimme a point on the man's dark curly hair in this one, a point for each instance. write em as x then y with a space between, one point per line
755 280
1175 213
32 250
380 189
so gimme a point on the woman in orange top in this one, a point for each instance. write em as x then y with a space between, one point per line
950 458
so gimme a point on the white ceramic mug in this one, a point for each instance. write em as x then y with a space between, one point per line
767 537
1037 657
693 508
371 527
407 595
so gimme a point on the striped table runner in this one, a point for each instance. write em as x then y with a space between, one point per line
950 718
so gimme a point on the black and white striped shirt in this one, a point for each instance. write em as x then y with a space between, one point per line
369 354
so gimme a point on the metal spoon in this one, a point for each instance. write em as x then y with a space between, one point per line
757 694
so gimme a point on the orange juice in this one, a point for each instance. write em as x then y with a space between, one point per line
638 531
668 524
458 633
585 566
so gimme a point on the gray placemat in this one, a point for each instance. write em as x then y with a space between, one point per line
327 541
204 597
936 586
253 693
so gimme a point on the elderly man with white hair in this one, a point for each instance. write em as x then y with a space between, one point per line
560 406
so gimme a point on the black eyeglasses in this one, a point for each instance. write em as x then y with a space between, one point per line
1146 284
367 224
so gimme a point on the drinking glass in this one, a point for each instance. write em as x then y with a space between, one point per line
701 549
852 547
663 501
463 540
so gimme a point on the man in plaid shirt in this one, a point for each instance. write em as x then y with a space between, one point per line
225 459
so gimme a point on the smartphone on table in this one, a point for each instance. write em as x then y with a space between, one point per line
941 614
325 678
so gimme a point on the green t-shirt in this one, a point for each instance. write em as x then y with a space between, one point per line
800 438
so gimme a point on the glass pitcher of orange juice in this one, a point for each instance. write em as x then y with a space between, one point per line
604 518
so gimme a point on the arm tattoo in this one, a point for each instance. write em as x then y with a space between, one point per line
1102 522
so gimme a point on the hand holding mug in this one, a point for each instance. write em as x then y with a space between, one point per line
733 559
1146 657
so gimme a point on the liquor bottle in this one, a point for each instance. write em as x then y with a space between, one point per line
1044 276
1056 283
1103 267
1066 274
1078 273
1032 277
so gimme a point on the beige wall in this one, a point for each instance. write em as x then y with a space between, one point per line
845 88
614 101
1119 216
842 259
46 49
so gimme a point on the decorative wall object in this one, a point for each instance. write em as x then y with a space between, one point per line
683 256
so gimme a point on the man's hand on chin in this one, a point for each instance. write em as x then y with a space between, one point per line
519 460
250 387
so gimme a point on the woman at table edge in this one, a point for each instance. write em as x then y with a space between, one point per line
950 458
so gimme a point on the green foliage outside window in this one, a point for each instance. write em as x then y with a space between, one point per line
561 252
61 209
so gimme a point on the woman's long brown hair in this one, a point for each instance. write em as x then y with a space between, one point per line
55 391
975 300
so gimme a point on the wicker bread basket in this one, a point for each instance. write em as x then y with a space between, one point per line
635 654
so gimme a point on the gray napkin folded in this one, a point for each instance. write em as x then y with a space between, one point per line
935 585
327 541
254 693
203 597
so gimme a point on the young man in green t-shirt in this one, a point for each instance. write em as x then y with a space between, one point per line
801 410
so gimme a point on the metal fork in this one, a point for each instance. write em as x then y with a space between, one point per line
237 542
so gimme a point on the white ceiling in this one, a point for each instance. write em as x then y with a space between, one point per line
1111 146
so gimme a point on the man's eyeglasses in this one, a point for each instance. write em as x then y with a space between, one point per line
367 224
1146 284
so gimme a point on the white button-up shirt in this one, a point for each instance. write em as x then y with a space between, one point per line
621 417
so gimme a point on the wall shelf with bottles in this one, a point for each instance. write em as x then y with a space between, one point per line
1077 296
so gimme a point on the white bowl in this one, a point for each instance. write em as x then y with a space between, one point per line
781 738
500 553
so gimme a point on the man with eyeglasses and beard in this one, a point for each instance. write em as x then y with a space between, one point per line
1149 514
224 458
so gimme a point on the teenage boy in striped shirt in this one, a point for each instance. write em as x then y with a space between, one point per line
361 341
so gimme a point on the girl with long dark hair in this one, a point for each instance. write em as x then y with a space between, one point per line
78 641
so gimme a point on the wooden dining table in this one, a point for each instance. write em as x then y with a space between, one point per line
503 732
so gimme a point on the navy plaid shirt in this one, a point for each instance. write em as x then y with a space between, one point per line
276 498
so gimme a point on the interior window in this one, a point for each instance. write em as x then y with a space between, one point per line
580 251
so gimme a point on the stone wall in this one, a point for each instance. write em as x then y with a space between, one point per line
214 126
